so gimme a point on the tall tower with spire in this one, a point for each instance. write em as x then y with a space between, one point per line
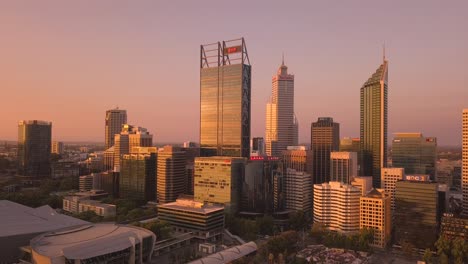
374 123
281 123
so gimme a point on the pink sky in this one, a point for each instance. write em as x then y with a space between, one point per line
68 62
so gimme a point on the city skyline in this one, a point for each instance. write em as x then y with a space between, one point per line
91 70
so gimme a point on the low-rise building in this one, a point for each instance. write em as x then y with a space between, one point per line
454 227
82 203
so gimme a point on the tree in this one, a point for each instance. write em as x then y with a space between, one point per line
443 245
298 220
161 229
427 257
443 259
459 250
407 247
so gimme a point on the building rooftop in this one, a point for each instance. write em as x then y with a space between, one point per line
87 241
192 206
17 219
228 255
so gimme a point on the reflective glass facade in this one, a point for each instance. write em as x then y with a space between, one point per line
374 124
138 177
325 138
34 144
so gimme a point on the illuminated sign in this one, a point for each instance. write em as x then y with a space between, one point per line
417 178
234 49
269 158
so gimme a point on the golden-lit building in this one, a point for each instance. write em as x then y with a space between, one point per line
324 138
171 181
130 137
298 158
375 213
388 180
57 147
218 180
115 118
363 183
34 144
465 162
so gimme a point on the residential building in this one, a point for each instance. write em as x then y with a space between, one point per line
298 190
388 180
298 158
205 222
115 119
343 166
138 176
374 123
415 153
375 213
34 143
281 122
336 206
57 147
325 138
92 243
218 180
363 183
172 177
225 99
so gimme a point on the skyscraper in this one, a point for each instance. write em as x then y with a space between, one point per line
325 138
465 162
257 146
115 118
298 158
343 166
415 153
127 139
374 108
172 176
388 180
298 190
225 91
34 144
281 123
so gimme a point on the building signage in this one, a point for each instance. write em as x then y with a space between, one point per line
417 177
234 49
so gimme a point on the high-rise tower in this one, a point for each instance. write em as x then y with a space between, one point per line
225 90
325 138
374 124
465 162
34 143
115 118
281 123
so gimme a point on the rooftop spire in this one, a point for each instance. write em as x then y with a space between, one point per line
282 63
384 51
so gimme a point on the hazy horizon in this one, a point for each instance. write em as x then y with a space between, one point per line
69 62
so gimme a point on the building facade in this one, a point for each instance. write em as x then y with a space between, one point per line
325 138
298 190
388 180
57 147
257 146
281 123
374 122
363 183
225 99
127 139
415 153
298 158
172 177
343 166
337 206
464 177
34 143
138 175
375 213
115 118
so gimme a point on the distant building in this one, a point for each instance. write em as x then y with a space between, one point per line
172 176
218 180
343 166
257 146
95 162
350 144
93 243
89 182
229 255
325 138
34 143
138 176
189 144
417 213
376 214
205 222
57 147
374 124
109 159
298 158
388 180
129 138
225 99
64 169
281 122
78 204
363 183
464 177
336 206
115 118
453 227
415 153
298 190
109 182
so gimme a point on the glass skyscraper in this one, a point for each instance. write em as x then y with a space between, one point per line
115 118
34 145
325 138
415 153
225 90
374 108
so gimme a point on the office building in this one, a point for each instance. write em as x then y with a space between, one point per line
172 177
363 183
281 123
257 185
325 138
81 203
415 153
89 182
257 146
190 154
453 227
464 177
110 182
337 207
34 143
94 243
138 175
109 159
298 190
115 119
57 147
417 213
130 137
298 158
348 144
205 222
376 214
343 166
373 124
388 180
218 180
64 169
225 91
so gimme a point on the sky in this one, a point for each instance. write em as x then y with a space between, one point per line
69 61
